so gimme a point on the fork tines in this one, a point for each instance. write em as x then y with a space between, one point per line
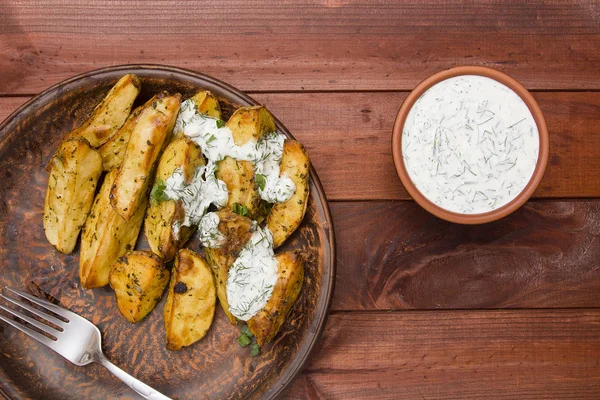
51 325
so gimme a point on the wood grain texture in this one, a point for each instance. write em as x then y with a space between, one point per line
518 354
10 104
348 137
297 45
395 255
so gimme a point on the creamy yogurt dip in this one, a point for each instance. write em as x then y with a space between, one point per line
470 144
216 141
252 277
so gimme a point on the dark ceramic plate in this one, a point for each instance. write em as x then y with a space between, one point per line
215 367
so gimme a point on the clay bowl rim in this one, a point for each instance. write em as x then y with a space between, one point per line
538 173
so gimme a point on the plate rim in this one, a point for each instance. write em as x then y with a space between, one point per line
285 379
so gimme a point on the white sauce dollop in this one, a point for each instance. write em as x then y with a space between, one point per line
217 142
205 189
470 144
210 236
252 276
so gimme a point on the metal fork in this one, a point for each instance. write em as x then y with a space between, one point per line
76 338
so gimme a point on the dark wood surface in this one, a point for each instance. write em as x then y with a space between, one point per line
335 72
518 354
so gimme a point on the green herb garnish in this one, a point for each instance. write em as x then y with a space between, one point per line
240 209
246 331
255 352
211 138
244 341
158 192
261 181
220 123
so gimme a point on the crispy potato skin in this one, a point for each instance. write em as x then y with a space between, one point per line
112 112
267 323
106 236
239 178
251 123
114 149
285 217
181 153
73 176
139 279
190 306
147 141
207 103
237 231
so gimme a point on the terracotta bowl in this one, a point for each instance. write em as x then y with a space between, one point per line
540 167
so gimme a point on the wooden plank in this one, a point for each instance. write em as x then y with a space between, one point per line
518 354
295 45
10 104
395 255
348 136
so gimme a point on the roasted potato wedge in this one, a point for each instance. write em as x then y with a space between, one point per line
239 178
139 279
114 149
147 141
266 324
236 231
74 173
285 217
247 123
191 302
112 112
184 154
251 123
106 236
207 103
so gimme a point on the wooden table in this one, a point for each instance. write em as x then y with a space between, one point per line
423 308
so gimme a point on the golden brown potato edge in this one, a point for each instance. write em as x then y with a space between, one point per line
190 306
138 279
267 322
72 179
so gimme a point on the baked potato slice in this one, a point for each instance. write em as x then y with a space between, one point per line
182 153
236 231
114 149
191 301
112 112
241 186
266 323
106 236
207 103
247 123
139 279
285 217
251 123
74 173
148 138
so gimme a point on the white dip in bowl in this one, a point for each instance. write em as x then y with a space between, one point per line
470 144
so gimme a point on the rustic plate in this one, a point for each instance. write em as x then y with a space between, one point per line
216 367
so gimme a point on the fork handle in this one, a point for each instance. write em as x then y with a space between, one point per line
141 388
